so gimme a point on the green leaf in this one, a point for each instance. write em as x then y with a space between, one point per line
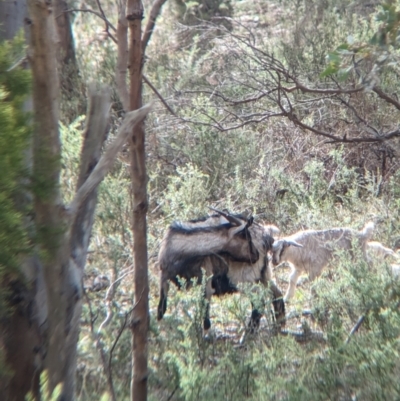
331 69
333 57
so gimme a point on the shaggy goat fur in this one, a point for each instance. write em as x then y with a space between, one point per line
311 250
226 266
226 273
379 251
185 246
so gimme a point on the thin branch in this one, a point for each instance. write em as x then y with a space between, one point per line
108 23
222 129
231 101
145 79
122 328
336 139
352 108
154 13
173 392
386 97
108 300
86 10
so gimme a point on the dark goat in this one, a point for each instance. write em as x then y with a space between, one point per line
185 245
227 273
191 246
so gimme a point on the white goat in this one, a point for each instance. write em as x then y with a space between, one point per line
378 250
311 250
395 270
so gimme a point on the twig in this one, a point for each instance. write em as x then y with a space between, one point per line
122 328
386 97
108 23
173 392
154 13
145 79
86 10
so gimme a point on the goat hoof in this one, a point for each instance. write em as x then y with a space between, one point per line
206 324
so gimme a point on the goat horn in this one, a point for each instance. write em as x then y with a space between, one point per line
229 217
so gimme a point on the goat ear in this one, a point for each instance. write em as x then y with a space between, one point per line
293 243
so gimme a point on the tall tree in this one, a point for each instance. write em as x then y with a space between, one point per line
140 314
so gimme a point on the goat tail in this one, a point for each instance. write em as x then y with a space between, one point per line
162 305
368 230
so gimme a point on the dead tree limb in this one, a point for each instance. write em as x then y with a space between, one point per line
94 137
131 119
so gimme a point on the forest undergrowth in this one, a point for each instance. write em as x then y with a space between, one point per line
212 153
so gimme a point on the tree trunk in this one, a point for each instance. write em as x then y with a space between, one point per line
140 314
20 335
94 137
50 224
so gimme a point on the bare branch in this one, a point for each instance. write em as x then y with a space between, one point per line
163 101
337 139
305 89
86 10
154 13
106 161
386 97
231 101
